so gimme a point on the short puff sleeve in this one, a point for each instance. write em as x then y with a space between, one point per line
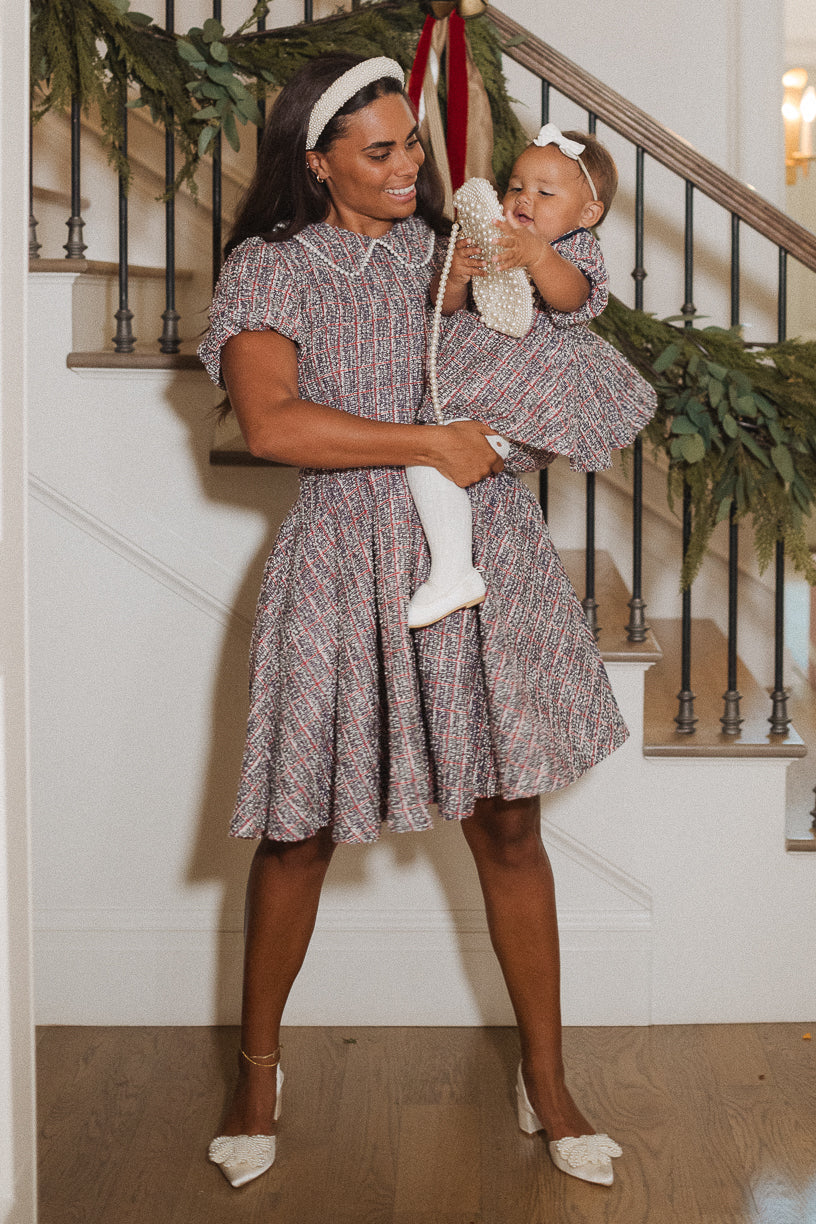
256 291
582 249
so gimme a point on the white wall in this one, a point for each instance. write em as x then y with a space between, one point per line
17 1135
145 566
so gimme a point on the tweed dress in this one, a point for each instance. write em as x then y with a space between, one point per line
561 389
354 719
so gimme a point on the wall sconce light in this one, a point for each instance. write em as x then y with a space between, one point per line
799 113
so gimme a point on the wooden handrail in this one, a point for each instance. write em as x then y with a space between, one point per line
658 141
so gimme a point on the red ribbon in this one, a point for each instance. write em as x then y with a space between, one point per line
457 100
420 64
456 135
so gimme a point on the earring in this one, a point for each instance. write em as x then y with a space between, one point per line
314 172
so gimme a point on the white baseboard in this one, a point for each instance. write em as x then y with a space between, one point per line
373 968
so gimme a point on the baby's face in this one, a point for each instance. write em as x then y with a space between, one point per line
547 193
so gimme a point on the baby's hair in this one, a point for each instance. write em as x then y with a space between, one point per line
601 167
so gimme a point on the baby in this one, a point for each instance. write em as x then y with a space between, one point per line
558 390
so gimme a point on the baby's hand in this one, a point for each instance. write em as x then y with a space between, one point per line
517 247
467 262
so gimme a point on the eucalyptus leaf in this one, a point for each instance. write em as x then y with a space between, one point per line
716 391
682 425
219 52
783 462
230 130
717 371
755 450
730 426
803 501
222 74
666 358
212 30
205 139
692 448
189 53
746 406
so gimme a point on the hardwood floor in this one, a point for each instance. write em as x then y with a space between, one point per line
417 1126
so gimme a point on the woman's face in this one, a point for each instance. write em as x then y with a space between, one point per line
371 170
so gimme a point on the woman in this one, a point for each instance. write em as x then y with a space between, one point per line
319 331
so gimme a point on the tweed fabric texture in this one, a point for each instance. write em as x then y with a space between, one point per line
354 719
560 389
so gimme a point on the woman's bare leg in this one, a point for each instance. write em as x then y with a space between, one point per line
517 882
282 899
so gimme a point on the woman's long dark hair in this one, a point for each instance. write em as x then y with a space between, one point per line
284 196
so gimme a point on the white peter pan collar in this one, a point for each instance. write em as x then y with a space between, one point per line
410 242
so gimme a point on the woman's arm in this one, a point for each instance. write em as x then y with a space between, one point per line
260 373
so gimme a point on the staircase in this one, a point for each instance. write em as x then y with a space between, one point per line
678 877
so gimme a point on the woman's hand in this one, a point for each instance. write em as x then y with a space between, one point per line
461 452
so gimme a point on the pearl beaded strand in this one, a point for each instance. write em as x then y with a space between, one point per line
437 321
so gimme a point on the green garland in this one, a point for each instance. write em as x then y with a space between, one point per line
738 424
206 81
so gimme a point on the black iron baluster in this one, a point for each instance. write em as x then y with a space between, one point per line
688 309
262 101
731 720
544 475
169 339
124 341
307 10
685 718
216 146
636 626
33 245
588 602
75 248
779 719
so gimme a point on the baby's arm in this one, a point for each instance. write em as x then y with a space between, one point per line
561 284
467 262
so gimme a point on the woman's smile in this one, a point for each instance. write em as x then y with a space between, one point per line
378 155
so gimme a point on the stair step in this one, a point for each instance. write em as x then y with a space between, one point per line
612 597
106 359
708 681
800 833
105 267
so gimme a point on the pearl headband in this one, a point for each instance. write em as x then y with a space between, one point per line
345 87
550 134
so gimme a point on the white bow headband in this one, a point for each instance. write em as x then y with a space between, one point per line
550 134
345 87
